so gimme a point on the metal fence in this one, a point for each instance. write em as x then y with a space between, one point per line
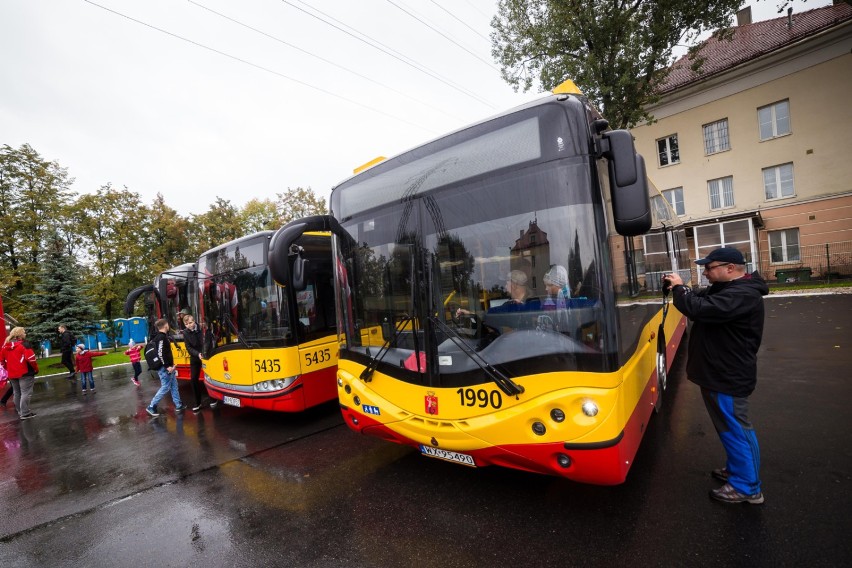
826 262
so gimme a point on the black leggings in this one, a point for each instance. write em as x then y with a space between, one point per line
67 361
194 374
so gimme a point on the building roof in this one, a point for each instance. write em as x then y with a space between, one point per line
751 41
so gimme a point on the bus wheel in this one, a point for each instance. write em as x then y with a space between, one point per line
661 380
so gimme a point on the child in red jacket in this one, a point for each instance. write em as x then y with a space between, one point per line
134 351
84 365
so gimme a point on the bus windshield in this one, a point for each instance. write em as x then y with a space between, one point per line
499 271
239 301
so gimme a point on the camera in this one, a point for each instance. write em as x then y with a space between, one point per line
667 285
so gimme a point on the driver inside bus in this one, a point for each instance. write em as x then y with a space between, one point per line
515 312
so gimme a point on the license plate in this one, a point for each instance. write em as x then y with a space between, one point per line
231 401
447 455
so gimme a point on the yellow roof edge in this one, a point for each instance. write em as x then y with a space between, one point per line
369 164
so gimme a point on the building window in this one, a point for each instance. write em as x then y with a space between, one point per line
738 234
784 245
721 192
675 199
667 150
716 137
774 120
778 181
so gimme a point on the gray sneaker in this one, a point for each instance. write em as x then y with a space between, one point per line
727 494
152 411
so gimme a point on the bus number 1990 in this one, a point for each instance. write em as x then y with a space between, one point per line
480 398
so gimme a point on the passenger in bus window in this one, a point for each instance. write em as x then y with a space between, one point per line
558 293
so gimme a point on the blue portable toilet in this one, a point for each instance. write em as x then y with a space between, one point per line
90 337
135 328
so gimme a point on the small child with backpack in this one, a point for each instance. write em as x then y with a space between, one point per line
84 366
134 351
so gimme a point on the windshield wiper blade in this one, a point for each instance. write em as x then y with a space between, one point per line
238 333
367 373
506 384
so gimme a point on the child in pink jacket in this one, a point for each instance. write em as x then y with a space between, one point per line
134 351
84 365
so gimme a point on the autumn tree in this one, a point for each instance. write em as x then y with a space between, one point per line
616 52
165 238
32 192
297 203
108 223
259 215
218 225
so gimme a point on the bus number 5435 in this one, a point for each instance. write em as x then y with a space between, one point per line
267 366
317 357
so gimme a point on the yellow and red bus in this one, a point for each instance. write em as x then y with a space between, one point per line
450 339
173 292
267 346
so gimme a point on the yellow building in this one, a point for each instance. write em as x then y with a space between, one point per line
754 151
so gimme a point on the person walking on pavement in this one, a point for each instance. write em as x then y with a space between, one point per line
726 333
168 376
66 347
134 351
193 342
85 367
21 365
7 395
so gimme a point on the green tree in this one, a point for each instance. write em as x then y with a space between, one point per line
616 52
218 225
32 191
259 215
297 203
58 297
165 239
106 224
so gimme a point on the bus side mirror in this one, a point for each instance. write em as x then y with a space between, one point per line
631 206
618 149
284 238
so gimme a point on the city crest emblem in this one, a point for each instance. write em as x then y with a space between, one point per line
431 403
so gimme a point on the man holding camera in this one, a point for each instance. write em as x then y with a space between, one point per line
726 333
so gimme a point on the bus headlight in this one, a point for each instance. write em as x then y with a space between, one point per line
590 408
273 385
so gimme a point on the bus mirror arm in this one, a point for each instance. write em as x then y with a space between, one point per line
279 245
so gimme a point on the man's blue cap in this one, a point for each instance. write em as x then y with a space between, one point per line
723 254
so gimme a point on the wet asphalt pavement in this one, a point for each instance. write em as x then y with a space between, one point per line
94 481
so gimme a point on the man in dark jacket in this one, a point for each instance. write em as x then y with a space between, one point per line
168 377
67 343
193 342
725 336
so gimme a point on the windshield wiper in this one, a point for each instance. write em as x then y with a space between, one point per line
506 384
238 333
367 373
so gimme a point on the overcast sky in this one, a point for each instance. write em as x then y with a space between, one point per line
184 98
